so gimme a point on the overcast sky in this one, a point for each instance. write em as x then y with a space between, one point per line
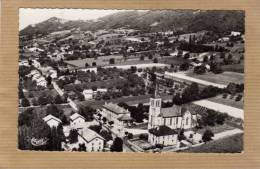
29 16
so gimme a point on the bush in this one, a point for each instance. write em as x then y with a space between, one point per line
238 98
143 136
224 96
130 136
25 102
207 136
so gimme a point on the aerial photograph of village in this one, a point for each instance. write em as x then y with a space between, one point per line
93 80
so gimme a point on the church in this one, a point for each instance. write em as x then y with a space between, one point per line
164 123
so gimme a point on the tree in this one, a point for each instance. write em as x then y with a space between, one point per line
117 145
56 138
205 59
58 100
155 60
25 118
25 102
73 136
104 119
184 66
52 109
207 136
95 128
106 135
200 69
49 79
111 61
130 136
82 147
220 118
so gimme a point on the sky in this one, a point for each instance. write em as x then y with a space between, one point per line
29 16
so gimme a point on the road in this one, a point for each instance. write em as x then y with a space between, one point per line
232 111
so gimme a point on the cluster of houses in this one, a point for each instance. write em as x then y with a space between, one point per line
92 140
38 78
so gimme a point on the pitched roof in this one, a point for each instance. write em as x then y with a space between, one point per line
51 117
162 131
88 135
115 108
125 117
75 116
175 111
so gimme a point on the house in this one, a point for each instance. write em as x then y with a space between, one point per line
120 116
164 123
77 121
163 135
52 121
41 82
88 94
93 141
233 33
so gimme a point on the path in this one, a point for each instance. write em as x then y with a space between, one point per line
227 133
232 111
182 76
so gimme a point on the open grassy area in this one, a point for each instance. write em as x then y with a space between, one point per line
173 60
100 61
216 129
227 101
234 68
222 78
232 144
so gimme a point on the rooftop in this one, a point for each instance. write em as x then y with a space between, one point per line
75 116
162 131
88 135
175 111
51 117
115 108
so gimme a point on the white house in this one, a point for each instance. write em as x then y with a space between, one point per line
163 135
52 121
93 141
77 121
233 33
120 116
88 94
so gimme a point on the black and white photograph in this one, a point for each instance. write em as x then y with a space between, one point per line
120 80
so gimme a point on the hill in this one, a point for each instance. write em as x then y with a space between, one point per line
155 20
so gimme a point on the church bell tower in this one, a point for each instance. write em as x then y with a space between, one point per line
155 109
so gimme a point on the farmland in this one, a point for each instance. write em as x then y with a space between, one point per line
223 78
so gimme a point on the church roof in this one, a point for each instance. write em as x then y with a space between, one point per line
75 116
162 131
175 111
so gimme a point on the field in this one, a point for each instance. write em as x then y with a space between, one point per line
100 61
227 101
132 100
223 78
234 68
232 144
216 129
172 60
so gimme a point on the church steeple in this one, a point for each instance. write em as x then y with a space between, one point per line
155 108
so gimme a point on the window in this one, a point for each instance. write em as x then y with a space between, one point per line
187 121
164 121
152 102
177 121
170 121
